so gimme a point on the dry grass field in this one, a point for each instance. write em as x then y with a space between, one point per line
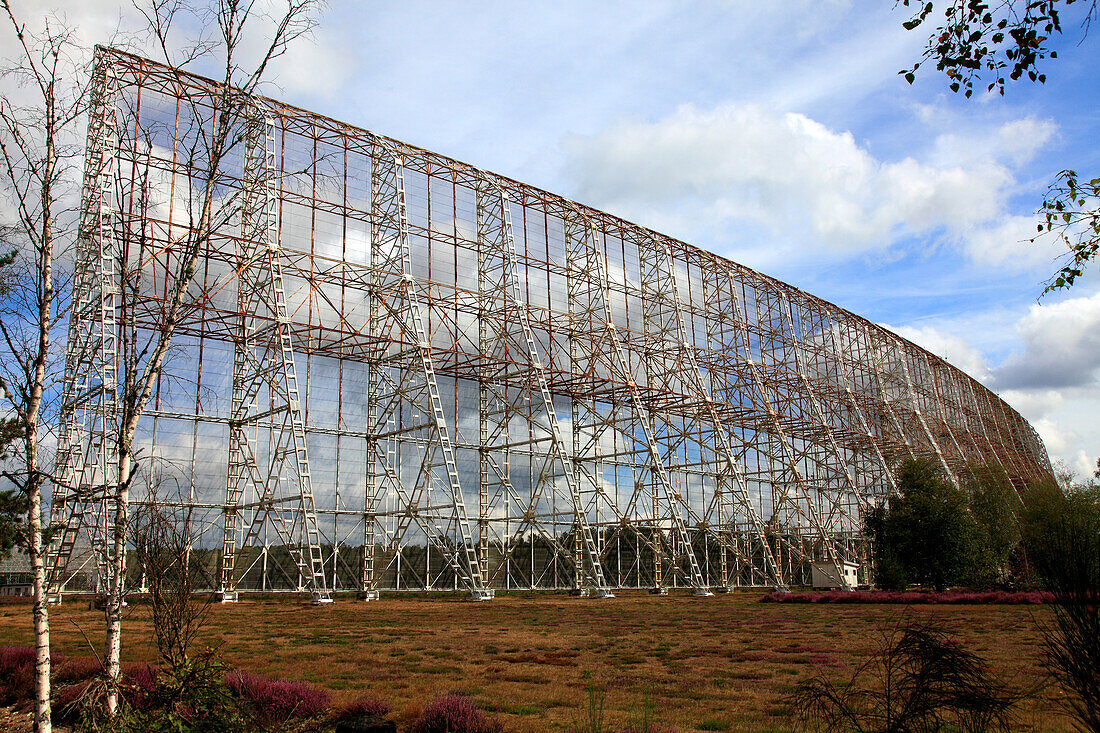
721 663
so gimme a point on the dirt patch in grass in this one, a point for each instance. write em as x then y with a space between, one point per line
707 662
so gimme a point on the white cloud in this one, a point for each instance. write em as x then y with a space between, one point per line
1007 244
1034 404
955 350
1021 140
319 66
1083 464
1058 442
1015 142
1061 347
799 181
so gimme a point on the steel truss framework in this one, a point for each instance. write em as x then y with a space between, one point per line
398 371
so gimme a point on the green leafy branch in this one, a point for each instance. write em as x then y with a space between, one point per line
1071 209
980 39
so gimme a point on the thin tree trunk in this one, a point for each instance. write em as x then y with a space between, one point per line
116 586
41 612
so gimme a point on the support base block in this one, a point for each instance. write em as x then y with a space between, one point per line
703 593
227 596
482 594
367 595
662 591
320 598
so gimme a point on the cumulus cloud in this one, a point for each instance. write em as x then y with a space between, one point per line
1061 347
1007 244
955 350
317 65
1034 404
795 178
1015 142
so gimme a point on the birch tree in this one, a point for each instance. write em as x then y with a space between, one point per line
244 38
38 158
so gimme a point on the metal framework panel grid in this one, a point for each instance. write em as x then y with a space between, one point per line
399 372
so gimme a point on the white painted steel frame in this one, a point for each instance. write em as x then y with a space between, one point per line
499 388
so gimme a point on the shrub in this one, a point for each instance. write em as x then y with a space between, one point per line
365 706
139 686
16 673
75 669
917 680
454 713
68 704
276 701
191 696
926 533
1062 537
912 598
12 658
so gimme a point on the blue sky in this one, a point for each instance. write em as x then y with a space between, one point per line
781 137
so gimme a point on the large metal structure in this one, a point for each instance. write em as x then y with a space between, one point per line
398 371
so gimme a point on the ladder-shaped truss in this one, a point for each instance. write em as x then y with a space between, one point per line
600 351
802 471
86 454
673 367
736 383
514 396
874 476
898 392
269 480
403 399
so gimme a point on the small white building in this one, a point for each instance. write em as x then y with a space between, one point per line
823 575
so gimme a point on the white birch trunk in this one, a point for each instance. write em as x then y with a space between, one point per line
117 577
42 711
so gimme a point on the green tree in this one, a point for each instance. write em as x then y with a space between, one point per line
926 533
994 506
1071 210
1061 531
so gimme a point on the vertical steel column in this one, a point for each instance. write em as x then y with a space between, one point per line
263 366
880 392
916 402
86 453
772 440
827 455
404 395
680 372
864 424
513 386
607 348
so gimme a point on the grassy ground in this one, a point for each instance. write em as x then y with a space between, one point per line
719 663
